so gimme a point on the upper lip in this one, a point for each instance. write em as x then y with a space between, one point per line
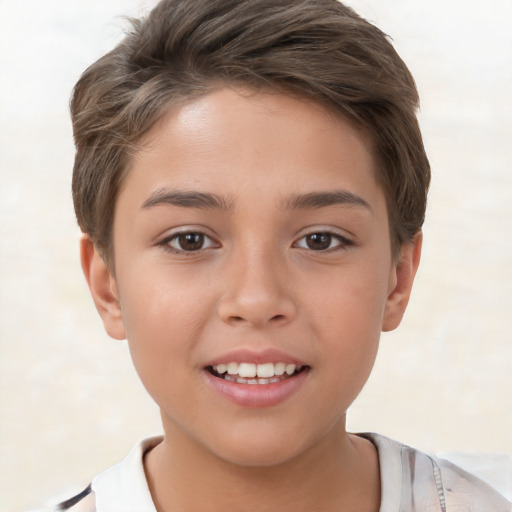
245 355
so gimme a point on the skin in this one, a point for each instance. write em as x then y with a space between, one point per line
254 284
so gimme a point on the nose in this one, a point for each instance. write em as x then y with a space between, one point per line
256 291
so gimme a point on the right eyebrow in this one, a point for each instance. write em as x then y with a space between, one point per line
188 199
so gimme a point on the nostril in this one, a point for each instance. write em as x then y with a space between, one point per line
240 319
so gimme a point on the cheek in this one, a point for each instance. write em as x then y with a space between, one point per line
351 299
348 319
158 297
163 316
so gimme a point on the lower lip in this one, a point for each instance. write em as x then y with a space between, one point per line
256 395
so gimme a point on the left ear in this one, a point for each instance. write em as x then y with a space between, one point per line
401 282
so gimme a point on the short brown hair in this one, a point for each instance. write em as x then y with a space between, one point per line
318 49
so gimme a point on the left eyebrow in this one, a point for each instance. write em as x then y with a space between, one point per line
314 200
188 199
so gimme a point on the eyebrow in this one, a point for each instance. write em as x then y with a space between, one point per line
188 199
207 201
314 200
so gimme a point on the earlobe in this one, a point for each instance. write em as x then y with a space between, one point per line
103 289
402 279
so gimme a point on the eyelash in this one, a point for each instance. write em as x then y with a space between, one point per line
342 242
166 243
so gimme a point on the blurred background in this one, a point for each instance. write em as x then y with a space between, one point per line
70 402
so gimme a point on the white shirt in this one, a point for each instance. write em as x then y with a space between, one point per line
411 481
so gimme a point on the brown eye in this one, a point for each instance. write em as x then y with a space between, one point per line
189 241
323 241
319 241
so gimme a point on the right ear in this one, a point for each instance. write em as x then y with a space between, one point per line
103 289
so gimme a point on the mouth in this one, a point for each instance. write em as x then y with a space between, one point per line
256 379
256 374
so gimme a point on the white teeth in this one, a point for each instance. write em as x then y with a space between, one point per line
247 370
221 368
290 368
265 370
266 373
279 368
232 368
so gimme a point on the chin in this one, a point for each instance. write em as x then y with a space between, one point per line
263 457
260 449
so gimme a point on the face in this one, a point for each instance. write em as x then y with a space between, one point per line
253 273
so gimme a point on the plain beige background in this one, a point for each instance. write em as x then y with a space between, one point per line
71 404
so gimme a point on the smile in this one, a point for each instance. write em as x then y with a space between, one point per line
250 378
250 373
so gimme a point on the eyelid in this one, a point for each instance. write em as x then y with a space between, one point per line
165 241
344 240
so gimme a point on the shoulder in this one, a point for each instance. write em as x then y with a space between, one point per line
413 477
120 488
464 489
84 501
124 487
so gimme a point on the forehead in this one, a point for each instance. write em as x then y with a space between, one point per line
241 126
257 151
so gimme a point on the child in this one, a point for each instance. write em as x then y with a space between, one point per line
251 182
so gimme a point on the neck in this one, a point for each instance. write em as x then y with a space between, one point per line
340 473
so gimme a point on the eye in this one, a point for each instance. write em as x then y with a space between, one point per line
189 241
322 241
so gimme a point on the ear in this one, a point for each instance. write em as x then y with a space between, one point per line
401 282
103 289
